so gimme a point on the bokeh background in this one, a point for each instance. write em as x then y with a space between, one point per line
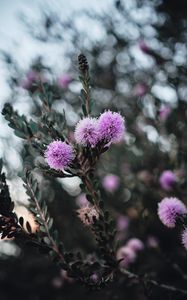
137 54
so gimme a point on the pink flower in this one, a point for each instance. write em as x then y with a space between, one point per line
184 238
111 126
122 223
87 214
59 155
164 112
82 201
64 80
86 132
111 183
140 89
127 254
31 77
169 209
167 180
135 244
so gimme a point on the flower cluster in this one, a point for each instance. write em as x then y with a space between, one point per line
127 254
109 127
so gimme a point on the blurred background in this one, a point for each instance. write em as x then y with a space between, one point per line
137 54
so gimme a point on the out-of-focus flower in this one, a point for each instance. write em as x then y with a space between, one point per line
169 209
82 201
127 254
94 277
152 242
164 112
184 238
31 77
122 223
111 182
59 155
167 180
111 126
140 89
87 214
86 132
64 80
135 244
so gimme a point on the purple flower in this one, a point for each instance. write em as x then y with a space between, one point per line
122 223
82 201
111 126
111 182
164 112
59 155
184 238
167 180
86 132
140 89
135 244
31 77
64 80
169 209
127 254
94 277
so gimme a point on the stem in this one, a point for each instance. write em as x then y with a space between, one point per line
86 88
53 243
89 187
166 287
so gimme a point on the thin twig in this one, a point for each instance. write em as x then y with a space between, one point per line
166 287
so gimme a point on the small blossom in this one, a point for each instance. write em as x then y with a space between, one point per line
152 242
127 254
140 89
122 223
184 238
59 155
167 180
94 278
87 214
111 183
111 126
82 201
64 80
164 112
31 77
135 244
169 209
86 132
